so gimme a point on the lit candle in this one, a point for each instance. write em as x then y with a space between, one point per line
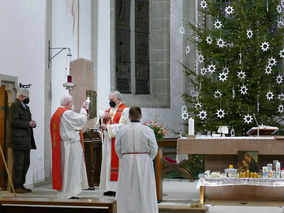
69 78
190 126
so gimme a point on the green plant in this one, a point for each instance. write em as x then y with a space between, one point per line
159 129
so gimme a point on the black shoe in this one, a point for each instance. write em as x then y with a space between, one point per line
74 198
110 193
20 190
28 190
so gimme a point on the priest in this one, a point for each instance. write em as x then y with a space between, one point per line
69 175
136 147
111 121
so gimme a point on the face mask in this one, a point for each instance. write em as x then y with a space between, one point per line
26 101
112 103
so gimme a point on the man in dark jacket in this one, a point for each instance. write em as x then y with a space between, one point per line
22 139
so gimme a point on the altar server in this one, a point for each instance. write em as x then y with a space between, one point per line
136 147
112 119
69 175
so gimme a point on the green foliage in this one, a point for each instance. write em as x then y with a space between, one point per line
240 53
159 130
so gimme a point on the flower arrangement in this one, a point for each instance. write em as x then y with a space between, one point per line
159 130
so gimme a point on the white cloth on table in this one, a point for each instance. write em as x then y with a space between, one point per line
136 190
105 183
73 168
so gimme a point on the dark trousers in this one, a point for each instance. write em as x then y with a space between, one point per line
21 163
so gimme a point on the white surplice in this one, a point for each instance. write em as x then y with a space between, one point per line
105 183
73 168
136 190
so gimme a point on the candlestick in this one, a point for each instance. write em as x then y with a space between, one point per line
190 126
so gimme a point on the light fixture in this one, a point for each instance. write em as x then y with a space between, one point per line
25 86
60 49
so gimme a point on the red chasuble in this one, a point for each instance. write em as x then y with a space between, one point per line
114 158
56 154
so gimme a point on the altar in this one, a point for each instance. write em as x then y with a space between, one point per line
220 152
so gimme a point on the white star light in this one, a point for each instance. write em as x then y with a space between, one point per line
279 79
181 30
202 115
226 70
241 75
211 68
264 46
198 105
203 4
203 71
248 119
244 90
218 24
220 43
280 23
187 49
200 58
184 108
223 76
280 108
271 61
209 40
281 53
220 113
279 8
217 94
249 33
229 10
281 97
269 95
184 116
268 70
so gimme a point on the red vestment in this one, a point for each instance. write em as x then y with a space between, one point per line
56 153
114 158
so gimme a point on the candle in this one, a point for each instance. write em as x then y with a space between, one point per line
69 78
190 126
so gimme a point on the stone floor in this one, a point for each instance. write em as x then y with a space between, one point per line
175 193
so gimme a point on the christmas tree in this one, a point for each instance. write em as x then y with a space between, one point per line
240 65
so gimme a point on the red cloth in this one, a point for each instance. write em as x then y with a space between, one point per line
114 158
56 153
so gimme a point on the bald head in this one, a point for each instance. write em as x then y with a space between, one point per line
67 101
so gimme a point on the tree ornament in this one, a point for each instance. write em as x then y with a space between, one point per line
211 68
244 90
218 24
279 8
280 23
226 70
220 113
271 61
264 46
241 75
248 119
202 115
280 108
249 33
229 10
269 95
217 94
198 105
187 49
181 30
203 4
184 108
281 97
203 71
268 70
184 115
220 43
223 76
209 40
281 53
200 58
279 79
